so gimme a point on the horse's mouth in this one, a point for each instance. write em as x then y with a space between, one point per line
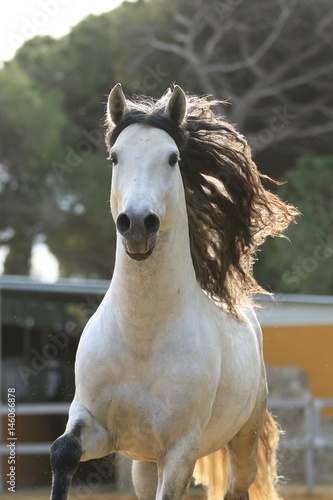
140 250
140 256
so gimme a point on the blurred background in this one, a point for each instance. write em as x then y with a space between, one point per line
272 62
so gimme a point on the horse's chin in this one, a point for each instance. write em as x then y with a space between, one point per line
140 256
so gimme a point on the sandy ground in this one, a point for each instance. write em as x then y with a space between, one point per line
290 493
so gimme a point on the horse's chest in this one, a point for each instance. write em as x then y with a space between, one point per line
138 418
140 402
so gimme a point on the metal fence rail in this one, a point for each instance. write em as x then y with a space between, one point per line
311 440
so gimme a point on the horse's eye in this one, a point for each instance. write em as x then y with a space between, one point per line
114 159
173 158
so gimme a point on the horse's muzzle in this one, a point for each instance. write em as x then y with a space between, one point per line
139 233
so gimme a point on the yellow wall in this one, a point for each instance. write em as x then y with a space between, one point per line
309 347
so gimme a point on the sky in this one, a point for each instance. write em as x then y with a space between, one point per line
21 20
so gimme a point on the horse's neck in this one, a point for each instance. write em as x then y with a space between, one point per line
149 293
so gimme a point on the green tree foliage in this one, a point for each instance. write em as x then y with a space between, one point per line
271 60
302 264
32 130
82 233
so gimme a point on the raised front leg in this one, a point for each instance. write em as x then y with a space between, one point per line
83 439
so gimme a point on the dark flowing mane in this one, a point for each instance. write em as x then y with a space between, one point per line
230 212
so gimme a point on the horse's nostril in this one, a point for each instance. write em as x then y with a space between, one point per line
123 223
152 224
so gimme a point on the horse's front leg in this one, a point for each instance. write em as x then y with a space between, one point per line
83 439
145 479
175 469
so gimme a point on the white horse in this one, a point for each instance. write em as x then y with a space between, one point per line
167 374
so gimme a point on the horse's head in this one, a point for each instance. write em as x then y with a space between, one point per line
146 178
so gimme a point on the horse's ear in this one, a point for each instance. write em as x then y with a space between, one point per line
176 106
117 105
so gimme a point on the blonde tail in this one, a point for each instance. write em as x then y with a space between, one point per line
212 471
